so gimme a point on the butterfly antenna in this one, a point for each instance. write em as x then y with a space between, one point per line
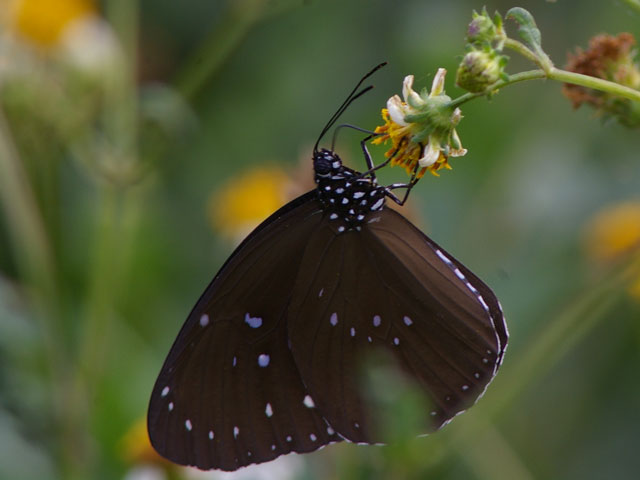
350 98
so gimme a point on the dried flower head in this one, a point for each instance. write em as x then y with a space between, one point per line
610 58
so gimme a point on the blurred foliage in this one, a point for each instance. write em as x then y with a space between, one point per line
117 131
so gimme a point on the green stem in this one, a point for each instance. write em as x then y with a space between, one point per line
594 83
553 74
515 78
236 23
33 250
523 50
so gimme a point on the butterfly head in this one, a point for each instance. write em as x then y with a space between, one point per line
326 164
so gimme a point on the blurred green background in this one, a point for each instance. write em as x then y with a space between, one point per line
116 135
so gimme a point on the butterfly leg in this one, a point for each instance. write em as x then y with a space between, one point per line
369 161
408 186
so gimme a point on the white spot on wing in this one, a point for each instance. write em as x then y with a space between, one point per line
268 410
253 322
377 320
353 332
165 391
357 195
396 341
443 257
188 425
236 432
211 435
308 402
334 319
407 321
170 406
484 305
263 359
320 292
313 437
333 216
289 438
204 320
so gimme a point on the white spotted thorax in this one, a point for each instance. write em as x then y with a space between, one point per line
347 197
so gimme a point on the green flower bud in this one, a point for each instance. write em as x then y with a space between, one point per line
478 70
481 29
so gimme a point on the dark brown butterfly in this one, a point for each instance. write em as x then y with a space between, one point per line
266 362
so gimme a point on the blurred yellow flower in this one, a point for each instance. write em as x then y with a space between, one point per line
614 233
244 201
43 22
136 448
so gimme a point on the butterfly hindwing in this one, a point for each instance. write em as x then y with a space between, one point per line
229 393
389 286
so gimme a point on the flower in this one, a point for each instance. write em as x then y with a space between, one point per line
245 201
135 447
43 22
484 31
613 234
421 128
610 58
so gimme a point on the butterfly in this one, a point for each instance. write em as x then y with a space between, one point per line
266 362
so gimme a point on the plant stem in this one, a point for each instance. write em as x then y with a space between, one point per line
37 269
523 50
515 78
554 74
594 83
237 21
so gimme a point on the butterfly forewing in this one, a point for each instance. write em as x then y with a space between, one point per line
229 393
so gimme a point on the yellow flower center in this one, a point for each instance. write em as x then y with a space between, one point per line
44 21
404 151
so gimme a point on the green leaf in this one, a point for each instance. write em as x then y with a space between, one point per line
528 30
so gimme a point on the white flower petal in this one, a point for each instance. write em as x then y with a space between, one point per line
437 87
456 117
396 110
407 86
456 146
431 154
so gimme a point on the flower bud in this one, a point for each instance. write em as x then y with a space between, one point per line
478 70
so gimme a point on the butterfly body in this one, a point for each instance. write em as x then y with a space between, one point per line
346 196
